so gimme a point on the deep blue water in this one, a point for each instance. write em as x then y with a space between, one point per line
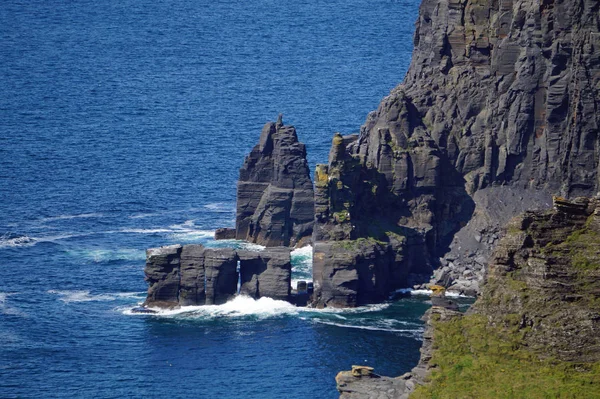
122 126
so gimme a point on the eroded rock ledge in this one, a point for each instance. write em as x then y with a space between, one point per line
194 275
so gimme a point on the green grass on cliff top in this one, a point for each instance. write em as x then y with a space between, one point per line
475 360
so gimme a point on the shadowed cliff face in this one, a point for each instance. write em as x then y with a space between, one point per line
499 93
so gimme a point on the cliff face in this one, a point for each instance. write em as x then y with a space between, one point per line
499 93
543 279
532 333
275 193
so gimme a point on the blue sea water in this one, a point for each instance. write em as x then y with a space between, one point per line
122 126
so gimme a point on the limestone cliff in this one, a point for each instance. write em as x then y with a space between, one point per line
275 192
499 93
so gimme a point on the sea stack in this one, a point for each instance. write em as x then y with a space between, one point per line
275 204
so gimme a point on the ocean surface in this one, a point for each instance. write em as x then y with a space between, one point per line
122 126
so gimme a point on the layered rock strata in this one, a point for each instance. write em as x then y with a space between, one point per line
544 276
498 93
194 275
275 204
540 295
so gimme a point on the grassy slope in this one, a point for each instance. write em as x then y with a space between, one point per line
494 354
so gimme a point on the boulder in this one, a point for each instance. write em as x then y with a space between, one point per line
224 233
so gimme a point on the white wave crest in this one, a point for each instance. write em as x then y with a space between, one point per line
423 292
9 240
86 296
240 306
303 252
105 255
68 217
220 207
415 333
191 235
141 231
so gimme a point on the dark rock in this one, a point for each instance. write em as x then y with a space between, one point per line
497 95
275 200
353 272
195 275
221 275
162 275
225 234
302 286
266 274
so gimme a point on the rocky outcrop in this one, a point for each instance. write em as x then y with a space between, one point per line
540 300
462 268
195 275
501 93
543 277
266 273
363 383
275 204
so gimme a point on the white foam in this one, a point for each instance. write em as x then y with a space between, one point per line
251 247
220 207
411 332
10 241
450 294
240 306
5 308
68 217
141 231
421 292
303 252
104 255
192 235
86 296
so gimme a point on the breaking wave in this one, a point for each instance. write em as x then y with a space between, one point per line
10 240
220 207
412 332
424 292
244 306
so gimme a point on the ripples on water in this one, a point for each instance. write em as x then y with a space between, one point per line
123 125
